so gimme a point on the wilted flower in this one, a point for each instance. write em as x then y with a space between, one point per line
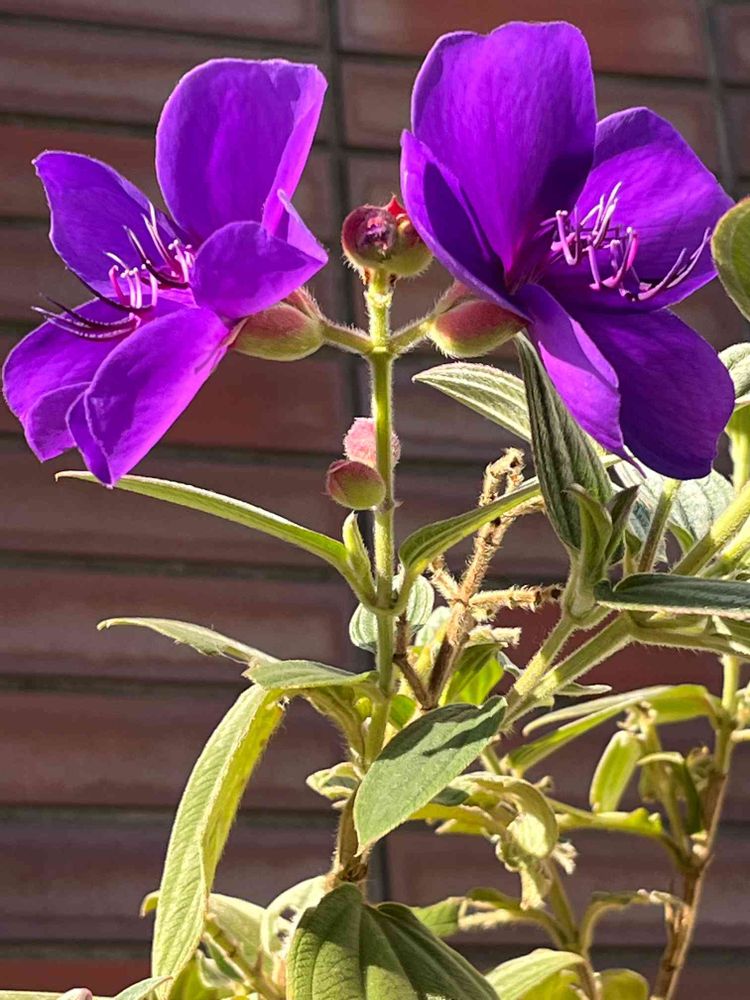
586 231
110 376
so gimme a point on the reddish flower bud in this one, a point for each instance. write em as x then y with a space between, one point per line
467 327
383 237
288 331
360 446
354 485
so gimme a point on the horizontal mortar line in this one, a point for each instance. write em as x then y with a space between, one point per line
74 950
134 566
162 816
267 44
158 690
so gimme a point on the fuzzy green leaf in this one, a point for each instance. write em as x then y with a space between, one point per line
563 454
512 980
419 762
201 639
681 594
730 246
201 827
300 675
616 767
345 948
491 392
230 509
623 984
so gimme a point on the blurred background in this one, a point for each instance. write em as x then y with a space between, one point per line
98 731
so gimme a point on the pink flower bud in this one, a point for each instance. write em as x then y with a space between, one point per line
382 237
354 485
467 327
359 442
288 331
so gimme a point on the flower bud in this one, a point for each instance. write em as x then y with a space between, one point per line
383 238
467 327
360 445
288 331
354 485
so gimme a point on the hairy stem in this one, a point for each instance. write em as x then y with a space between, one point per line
658 526
681 921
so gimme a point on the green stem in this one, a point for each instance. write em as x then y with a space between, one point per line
724 528
381 367
247 974
681 927
542 660
408 336
611 638
658 525
346 338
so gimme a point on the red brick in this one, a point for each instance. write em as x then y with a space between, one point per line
41 515
738 111
76 749
103 976
419 861
733 20
104 75
50 618
289 20
84 879
249 403
631 37
21 193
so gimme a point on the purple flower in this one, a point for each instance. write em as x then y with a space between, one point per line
112 375
587 231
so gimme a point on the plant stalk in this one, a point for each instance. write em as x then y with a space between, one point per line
658 526
681 922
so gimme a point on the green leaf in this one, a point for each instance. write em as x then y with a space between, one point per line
670 703
681 594
230 509
478 671
344 948
563 454
695 507
730 245
441 918
203 640
363 627
300 675
613 772
283 914
419 762
533 831
422 546
736 359
201 827
623 984
240 921
490 392
512 980
143 989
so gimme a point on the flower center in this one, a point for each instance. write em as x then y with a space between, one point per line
135 290
610 251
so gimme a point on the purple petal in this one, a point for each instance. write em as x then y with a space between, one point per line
676 395
142 387
446 222
46 424
512 115
243 269
585 379
231 134
50 358
667 196
91 206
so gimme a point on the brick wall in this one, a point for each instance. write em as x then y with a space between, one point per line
98 731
